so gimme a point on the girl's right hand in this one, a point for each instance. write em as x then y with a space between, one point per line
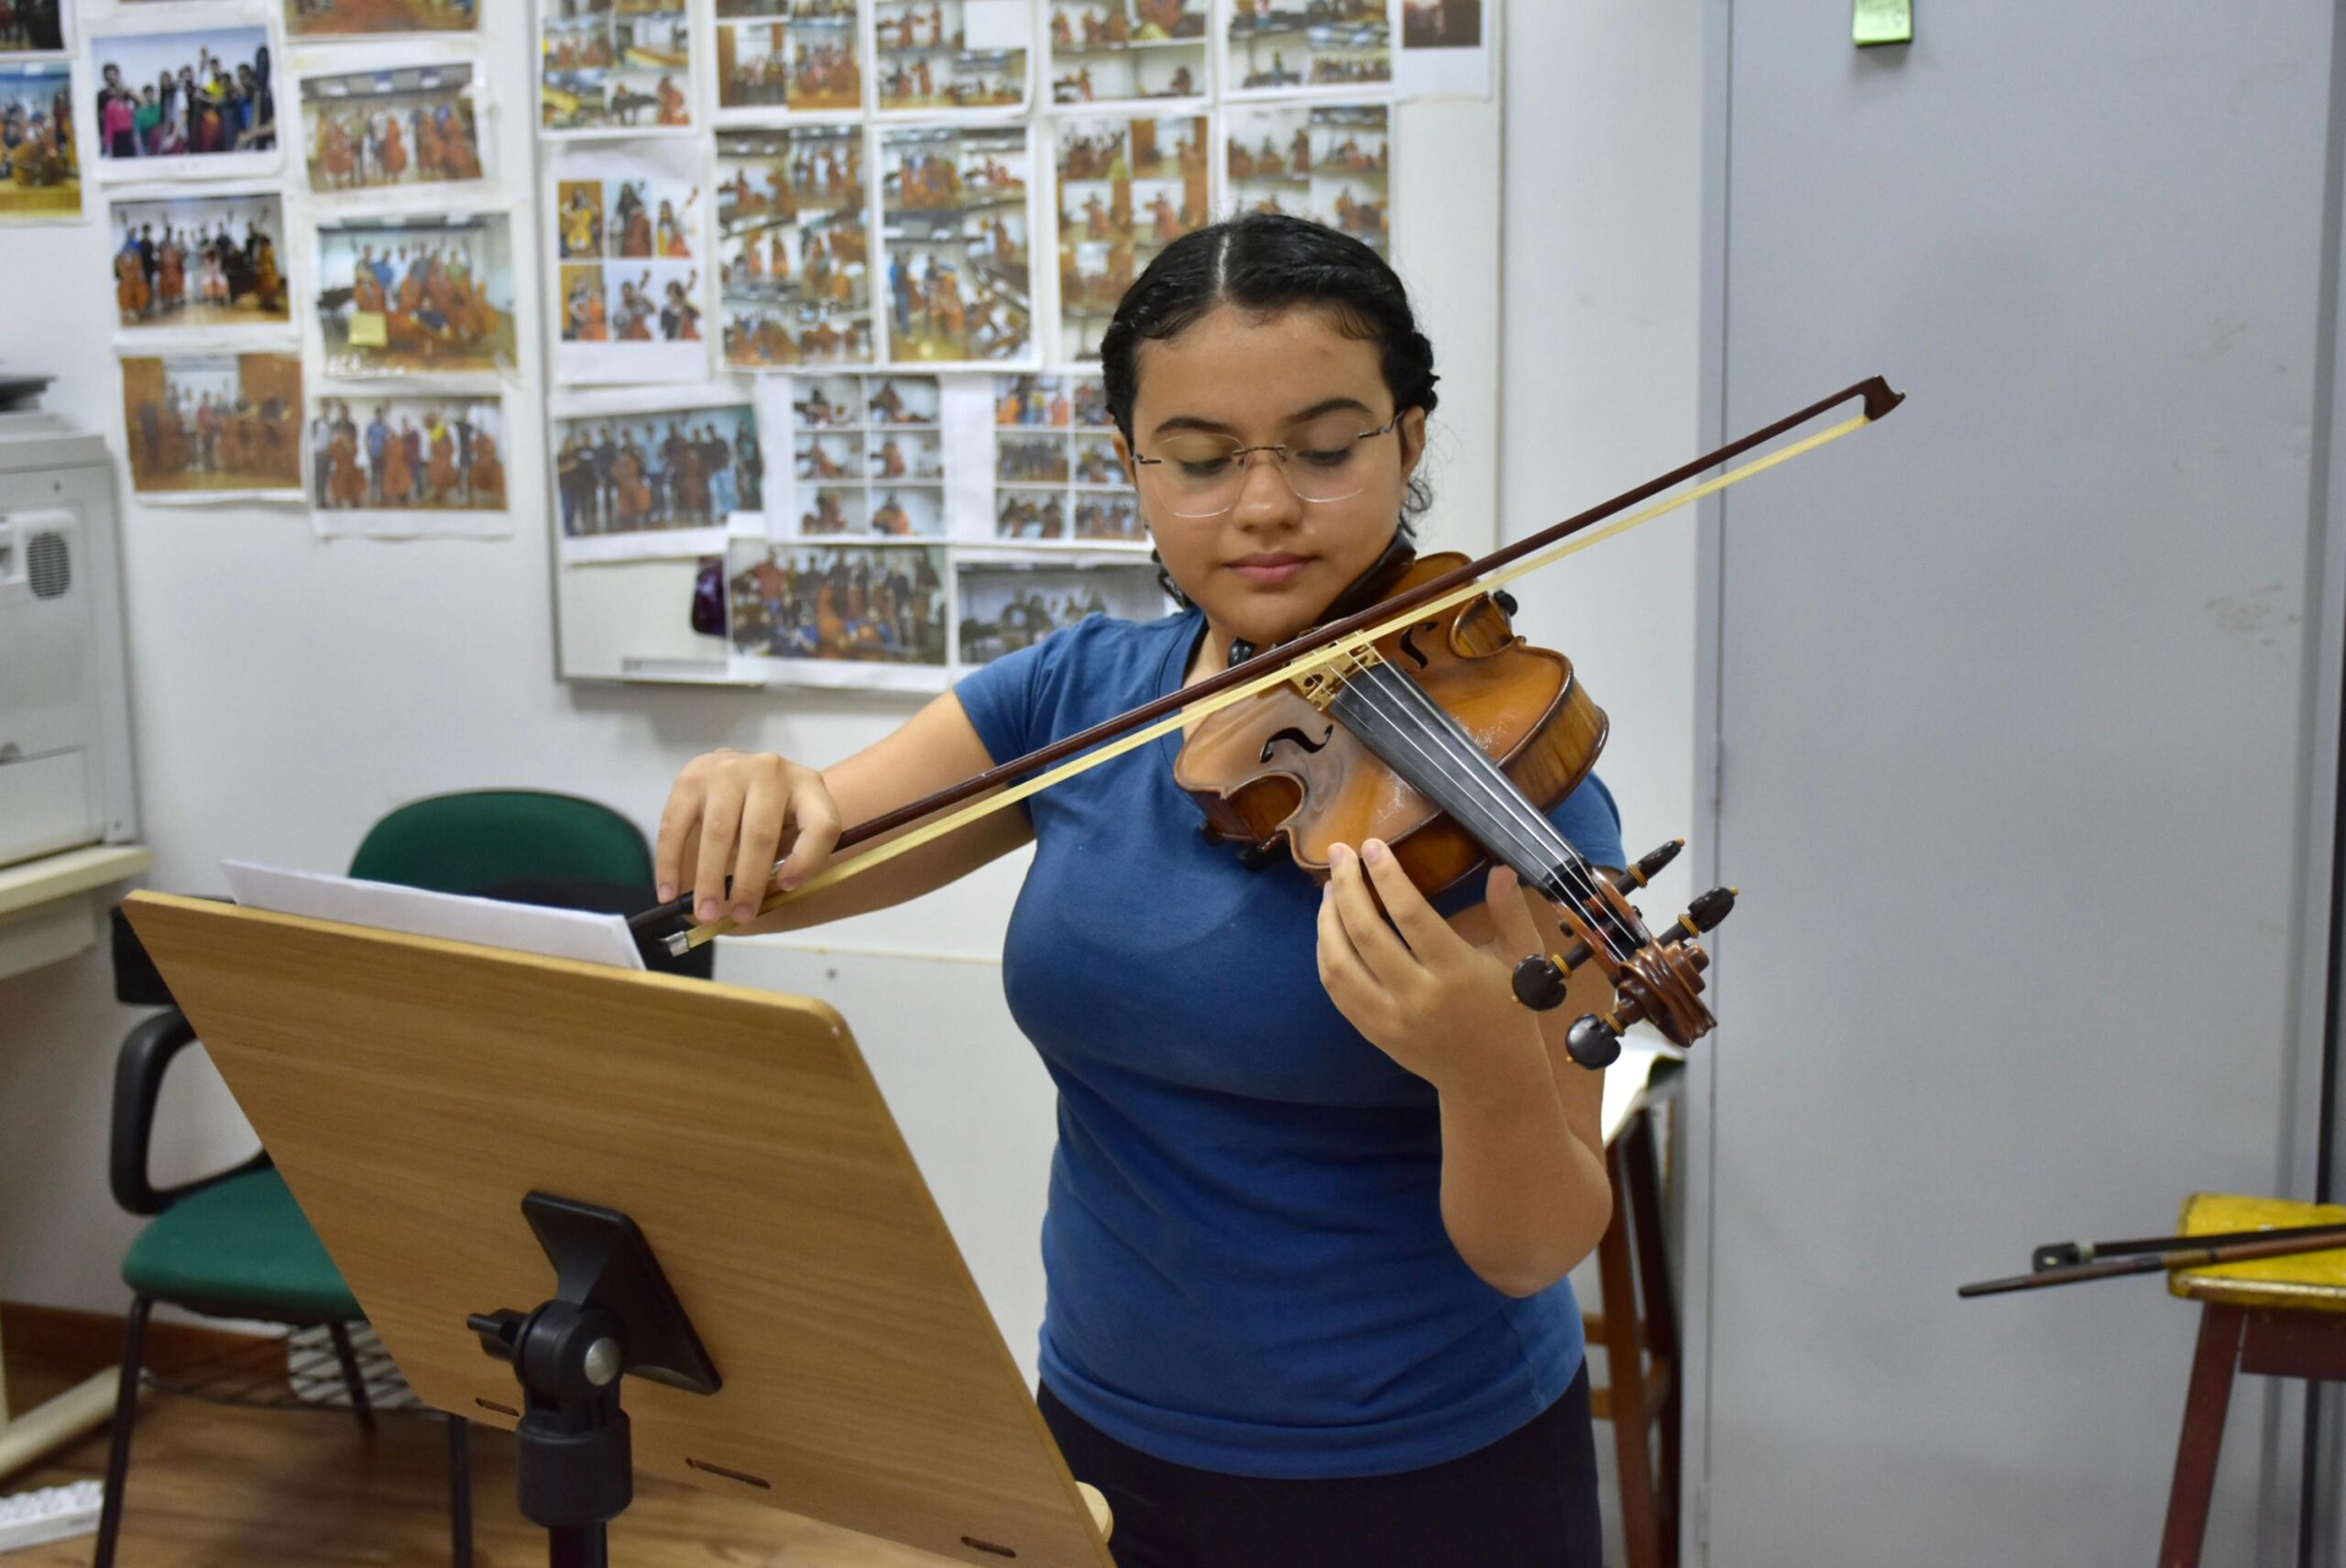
731 811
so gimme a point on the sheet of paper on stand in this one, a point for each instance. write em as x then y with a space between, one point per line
523 927
1626 1080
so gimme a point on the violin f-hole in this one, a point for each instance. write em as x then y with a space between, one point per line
1300 737
1410 648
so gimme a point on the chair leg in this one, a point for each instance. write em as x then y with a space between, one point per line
126 1411
460 1491
351 1379
1625 1378
2203 1435
1644 1168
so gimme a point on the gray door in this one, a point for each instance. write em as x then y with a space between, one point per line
2014 699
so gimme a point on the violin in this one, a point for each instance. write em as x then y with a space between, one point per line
1414 713
1451 739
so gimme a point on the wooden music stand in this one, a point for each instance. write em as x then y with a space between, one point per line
413 1090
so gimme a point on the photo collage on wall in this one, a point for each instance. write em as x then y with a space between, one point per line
888 233
940 201
931 523
329 329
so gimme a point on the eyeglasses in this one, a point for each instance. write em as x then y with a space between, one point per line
1201 474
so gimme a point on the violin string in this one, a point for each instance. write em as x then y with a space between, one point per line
1477 767
1515 811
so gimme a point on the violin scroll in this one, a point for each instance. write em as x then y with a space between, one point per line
1656 980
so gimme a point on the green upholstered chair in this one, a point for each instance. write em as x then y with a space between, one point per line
236 1245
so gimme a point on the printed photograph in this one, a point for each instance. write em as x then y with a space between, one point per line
868 457
1008 605
643 284
687 468
794 255
40 169
33 26
1126 188
404 453
874 603
212 421
205 261
376 129
928 58
1103 51
614 67
400 295
809 60
360 18
1441 24
205 93
1056 475
1279 44
954 217
1328 162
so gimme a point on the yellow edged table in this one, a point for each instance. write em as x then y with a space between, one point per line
2277 1316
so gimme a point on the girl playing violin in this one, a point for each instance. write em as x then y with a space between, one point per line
1319 1178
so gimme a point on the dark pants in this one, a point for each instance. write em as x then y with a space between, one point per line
1527 1501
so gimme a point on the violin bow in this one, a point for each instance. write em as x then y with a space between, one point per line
1112 737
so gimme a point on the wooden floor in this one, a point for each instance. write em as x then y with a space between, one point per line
212 1487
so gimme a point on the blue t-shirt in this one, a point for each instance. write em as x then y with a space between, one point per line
1247 1266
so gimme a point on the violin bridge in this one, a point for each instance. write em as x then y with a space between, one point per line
1324 681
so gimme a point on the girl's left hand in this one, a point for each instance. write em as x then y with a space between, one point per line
1421 993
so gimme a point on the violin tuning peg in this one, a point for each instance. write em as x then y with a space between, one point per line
1505 601
1649 865
1539 983
1594 1042
1705 912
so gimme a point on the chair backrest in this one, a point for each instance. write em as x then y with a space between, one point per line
478 839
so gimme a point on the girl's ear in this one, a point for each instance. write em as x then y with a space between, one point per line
1124 457
1412 431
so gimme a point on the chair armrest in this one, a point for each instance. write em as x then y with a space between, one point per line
146 1054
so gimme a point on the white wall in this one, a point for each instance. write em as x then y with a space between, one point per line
1603 266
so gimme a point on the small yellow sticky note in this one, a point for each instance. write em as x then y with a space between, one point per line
1884 22
368 329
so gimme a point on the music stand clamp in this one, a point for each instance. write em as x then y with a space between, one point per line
612 1312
